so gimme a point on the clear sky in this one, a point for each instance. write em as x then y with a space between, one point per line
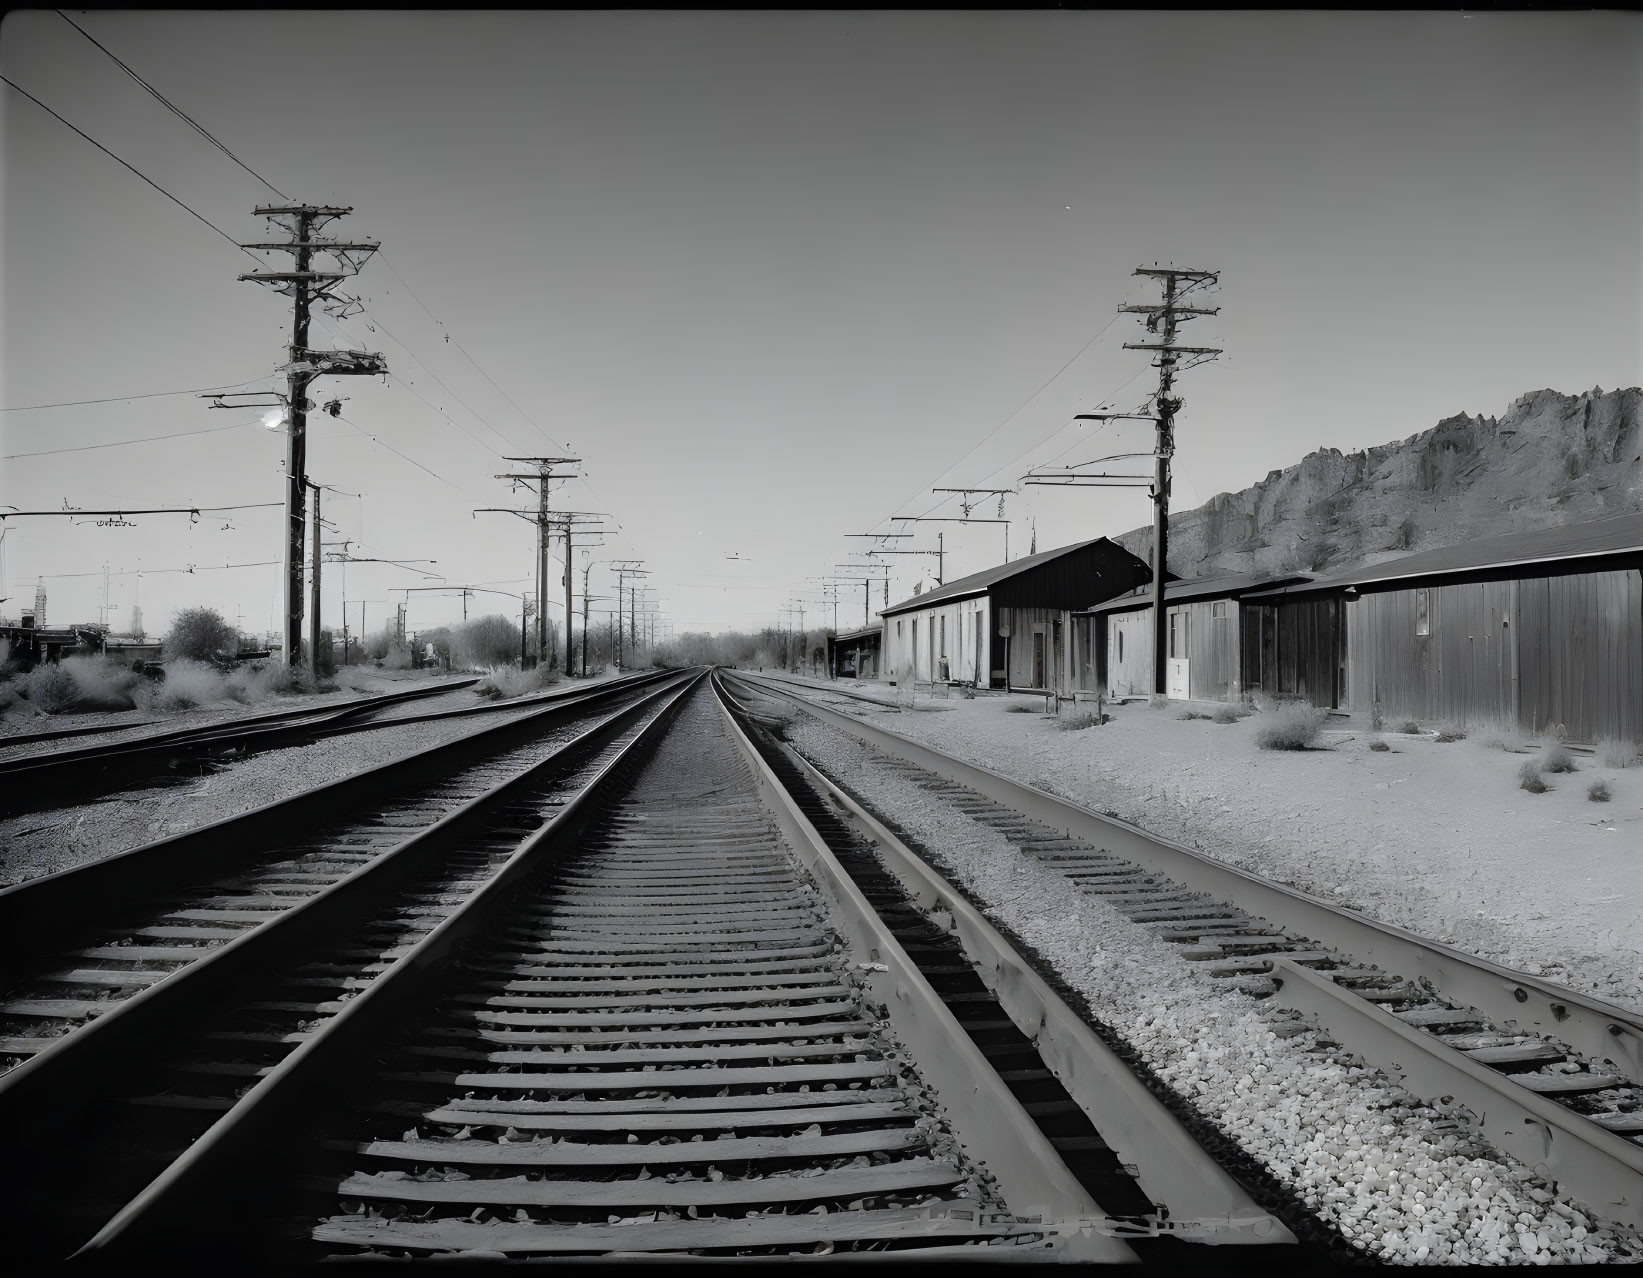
775 276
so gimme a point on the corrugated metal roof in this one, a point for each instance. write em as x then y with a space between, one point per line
1223 586
977 583
1616 535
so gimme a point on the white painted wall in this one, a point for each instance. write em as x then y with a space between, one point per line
964 619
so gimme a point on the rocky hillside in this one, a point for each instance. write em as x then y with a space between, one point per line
1550 459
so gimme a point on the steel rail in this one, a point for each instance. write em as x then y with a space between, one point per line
54 911
996 1130
193 1198
1593 1028
1599 1167
178 736
57 779
1204 1202
35 1095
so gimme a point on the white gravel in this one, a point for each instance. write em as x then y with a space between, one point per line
1400 1180
1435 837
44 842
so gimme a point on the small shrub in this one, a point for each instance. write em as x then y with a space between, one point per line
501 682
186 684
1377 720
1451 734
1598 791
1529 777
1017 708
398 657
199 634
1555 757
1614 753
1379 746
1409 726
1501 734
253 684
1075 721
49 688
1191 714
101 684
1291 727
1229 714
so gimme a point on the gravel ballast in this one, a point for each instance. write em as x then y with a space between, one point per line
1398 1179
1428 835
45 842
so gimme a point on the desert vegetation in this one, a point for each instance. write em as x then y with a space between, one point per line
1291 726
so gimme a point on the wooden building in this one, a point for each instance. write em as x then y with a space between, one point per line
855 653
1202 648
1009 626
1541 629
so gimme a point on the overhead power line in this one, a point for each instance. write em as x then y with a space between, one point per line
121 443
198 217
121 399
171 106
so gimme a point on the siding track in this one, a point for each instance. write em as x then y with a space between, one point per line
64 777
1553 1077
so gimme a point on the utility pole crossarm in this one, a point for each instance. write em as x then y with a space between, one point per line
1181 272
305 286
1180 350
1148 308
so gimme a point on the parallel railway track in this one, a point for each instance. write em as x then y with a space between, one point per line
29 783
654 1000
1552 1076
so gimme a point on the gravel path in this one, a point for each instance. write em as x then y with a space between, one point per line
1399 1179
1435 837
45 842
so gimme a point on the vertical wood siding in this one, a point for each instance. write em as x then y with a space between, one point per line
1131 674
1212 651
1023 623
1539 651
904 661
1580 654
1297 648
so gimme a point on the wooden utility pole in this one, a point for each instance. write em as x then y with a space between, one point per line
543 478
313 621
305 286
1166 316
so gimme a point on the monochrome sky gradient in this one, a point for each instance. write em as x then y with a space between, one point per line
774 276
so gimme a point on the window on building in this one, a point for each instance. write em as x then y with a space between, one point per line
1218 609
1423 613
944 636
1120 645
1177 635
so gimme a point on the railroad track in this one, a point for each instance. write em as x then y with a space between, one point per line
68 776
653 1000
76 944
1550 1075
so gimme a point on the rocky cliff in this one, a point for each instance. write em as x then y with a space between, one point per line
1550 459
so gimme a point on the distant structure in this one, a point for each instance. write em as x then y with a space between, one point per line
136 622
1541 629
40 605
1008 626
1202 648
